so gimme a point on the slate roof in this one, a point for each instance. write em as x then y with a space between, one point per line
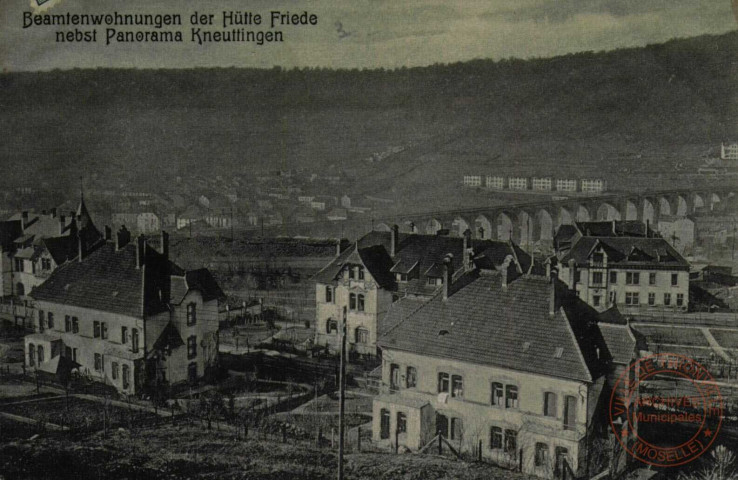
374 258
614 228
61 249
397 311
169 338
621 342
9 231
203 281
628 251
488 324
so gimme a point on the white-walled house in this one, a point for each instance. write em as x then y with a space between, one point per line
507 361
127 316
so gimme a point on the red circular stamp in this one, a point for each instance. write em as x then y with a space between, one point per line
666 409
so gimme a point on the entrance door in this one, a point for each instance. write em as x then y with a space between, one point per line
561 454
441 425
384 426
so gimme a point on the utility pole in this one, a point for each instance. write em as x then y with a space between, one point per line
341 396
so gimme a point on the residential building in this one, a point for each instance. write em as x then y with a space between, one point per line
518 183
495 182
507 361
124 314
593 185
729 151
613 263
9 231
542 183
472 180
384 268
566 185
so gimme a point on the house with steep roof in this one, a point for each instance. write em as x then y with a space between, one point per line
510 366
124 314
384 268
620 263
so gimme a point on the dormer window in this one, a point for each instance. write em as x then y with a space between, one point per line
351 273
598 257
401 277
435 281
361 272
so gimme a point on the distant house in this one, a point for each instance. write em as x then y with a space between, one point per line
192 214
127 316
337 214
729 151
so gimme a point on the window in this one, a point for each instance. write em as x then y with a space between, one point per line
457 386
352 301
31 355
680 299
631 298
360 304
134 340
191 313
328 294
411 377
651 298
46 263
549 404
123 335
674 279
75 325
667 299
632 278
401 422
652 278
401 277
103 330
511 396
98 362
598 258
192 372
443 382
361 273
41 320
351 273
50 320
384 428
597 278
126 376
74 354
96 329
191 347
495 438
457 429
596 300
114 370
541 458
362 335
577 276
67 323
511 442
613 277
394 376
18 264
331 326
570 412
496 394
613 298
40 352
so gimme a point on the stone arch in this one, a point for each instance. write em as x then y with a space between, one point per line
606 211
459 226
382 227
483 228
714 200
631 210
649 211
432 226
583 214
565 217
505 227
682 206
544 223
698 201
664 206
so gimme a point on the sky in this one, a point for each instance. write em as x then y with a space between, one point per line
367 33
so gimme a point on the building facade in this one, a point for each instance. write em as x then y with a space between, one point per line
126 316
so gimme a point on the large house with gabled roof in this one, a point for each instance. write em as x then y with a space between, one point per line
505 365
383 270
125 315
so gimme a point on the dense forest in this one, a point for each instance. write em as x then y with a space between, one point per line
135 125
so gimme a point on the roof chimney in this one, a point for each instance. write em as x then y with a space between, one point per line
448 272
24 217
165 244
62 222
466 248
122 237
572 274
552 301
80 247
614 232
505 269
338 247
548 269
108 233
140 250
394 240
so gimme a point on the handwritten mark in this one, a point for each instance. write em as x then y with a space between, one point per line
343 33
